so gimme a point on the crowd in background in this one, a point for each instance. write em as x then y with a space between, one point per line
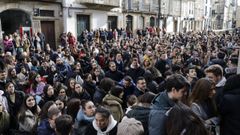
115 82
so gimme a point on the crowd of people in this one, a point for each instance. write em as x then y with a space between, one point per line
116 82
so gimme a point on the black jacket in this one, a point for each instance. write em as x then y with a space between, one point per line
230 113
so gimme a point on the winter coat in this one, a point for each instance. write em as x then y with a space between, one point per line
142 114
157 117
81 123
93 129
229 110
4 122
115 75
81 96
28 122
98 96
44 128
113 103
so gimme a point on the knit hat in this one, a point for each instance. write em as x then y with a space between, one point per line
130 126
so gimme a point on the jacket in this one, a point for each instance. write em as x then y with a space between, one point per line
229 111
157 117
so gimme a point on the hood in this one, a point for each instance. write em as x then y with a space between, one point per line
222 82
112 123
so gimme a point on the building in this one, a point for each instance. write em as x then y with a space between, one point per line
187 15
199 14
31 16
139 14
80 15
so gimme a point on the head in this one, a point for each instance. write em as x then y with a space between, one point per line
45 108
106 84
30 102
117 91
88 107
112 66
203 89
141 83
135 62
214 72
182 120
191 72
53 114
10 88
127 81
176 86
64 124
48 90
73 105
146 98
2 75
78 88
132 100
102 116
71 83
60 103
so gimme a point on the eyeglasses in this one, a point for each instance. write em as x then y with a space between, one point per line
58 103
78 87
62 92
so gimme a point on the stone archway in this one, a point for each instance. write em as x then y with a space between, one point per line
12 19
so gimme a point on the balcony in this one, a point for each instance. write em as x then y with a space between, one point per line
100 4
141 8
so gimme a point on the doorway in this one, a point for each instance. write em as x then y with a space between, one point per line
12 19
83 22
48 29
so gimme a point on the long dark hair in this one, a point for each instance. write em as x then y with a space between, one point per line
24 108
182 120
201 90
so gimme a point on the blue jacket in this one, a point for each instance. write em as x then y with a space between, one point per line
44 128
157 117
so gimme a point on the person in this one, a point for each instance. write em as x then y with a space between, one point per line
113 102
202 102
64 125
48 92
28 116
229 110
15 99
182 121
104 87
84 117
130 126
113 73
80 93
215 72
135 70
103 123
61 104
176 89
140 111
47 126
141 87
73 106
4 119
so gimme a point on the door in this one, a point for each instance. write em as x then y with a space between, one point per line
48 29
112 22
83 22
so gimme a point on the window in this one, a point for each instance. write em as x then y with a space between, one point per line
46 13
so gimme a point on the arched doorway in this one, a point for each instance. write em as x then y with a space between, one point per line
12 19
152 21
141 22
129 22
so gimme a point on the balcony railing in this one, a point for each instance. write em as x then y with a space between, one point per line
114 3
